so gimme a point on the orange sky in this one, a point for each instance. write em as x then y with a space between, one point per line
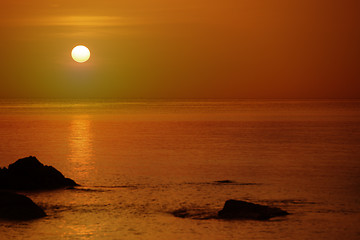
181 49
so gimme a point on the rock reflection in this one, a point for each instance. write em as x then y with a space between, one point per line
80 141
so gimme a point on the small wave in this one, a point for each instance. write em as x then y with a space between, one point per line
226 182
288 201
56 207
337 211
195 213
230 182
120 186
85 189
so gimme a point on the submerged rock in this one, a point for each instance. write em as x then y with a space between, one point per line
236 209
15 206
224 181
30 174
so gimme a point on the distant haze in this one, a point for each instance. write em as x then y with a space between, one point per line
181 49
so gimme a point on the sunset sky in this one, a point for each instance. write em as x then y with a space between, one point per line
181 49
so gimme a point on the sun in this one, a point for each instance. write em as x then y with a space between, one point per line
80 53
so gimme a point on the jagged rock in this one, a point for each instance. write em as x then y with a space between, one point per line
14 206
30 174
235 209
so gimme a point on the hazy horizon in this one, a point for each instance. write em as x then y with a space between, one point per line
181 49
175 99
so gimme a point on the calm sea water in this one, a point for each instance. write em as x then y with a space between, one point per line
138 161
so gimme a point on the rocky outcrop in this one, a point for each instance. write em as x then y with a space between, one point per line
235 209
30 174
14 206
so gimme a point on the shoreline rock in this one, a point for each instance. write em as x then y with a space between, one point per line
30 174
236 209
15 206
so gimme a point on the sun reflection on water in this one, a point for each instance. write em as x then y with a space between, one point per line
80 141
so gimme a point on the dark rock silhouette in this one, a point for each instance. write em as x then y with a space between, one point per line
235 209
14 206
30 174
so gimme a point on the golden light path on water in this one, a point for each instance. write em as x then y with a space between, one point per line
80 141
298 155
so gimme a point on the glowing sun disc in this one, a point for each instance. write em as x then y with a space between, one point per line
80 54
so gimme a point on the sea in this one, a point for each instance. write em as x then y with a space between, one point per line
139 161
